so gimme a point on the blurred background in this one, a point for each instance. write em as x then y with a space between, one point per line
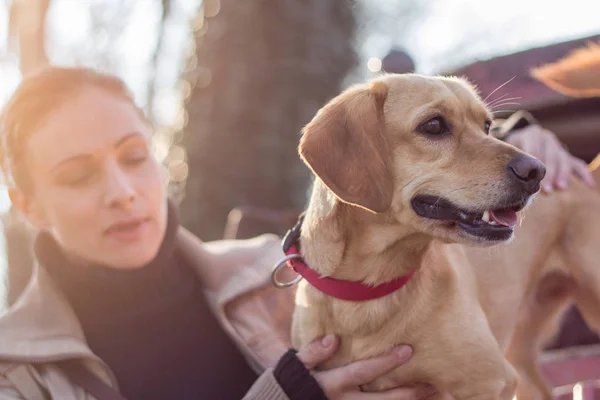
230 83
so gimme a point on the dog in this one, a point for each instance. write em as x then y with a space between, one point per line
570 273
409 186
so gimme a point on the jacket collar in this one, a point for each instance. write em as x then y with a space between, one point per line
255 314
41 326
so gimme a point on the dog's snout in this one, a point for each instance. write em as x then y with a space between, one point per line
527 171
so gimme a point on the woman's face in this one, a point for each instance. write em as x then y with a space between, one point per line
95 185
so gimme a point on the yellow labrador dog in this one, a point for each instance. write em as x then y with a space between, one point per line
406 176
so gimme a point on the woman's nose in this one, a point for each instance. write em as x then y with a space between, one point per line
119 188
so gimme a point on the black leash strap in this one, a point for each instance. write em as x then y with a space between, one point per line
79 375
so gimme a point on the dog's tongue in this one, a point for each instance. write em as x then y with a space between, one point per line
506 218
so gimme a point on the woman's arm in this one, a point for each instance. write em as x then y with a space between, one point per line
524 132
294 377
266 388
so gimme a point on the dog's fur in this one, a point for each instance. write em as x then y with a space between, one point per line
467 301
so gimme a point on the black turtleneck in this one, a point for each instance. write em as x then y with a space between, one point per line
152 325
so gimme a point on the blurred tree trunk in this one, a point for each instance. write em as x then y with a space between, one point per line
262 70
156 58
27 26
27 21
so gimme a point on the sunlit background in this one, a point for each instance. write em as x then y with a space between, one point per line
131 39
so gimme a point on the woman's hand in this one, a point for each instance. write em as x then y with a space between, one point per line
545 146
343 383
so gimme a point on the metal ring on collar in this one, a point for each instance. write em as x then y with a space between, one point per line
278 266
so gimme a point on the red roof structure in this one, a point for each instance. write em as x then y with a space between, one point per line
575 120
490 74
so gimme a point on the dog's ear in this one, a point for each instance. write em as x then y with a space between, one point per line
577 74
346 147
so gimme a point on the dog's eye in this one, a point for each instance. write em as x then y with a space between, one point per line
487 126
435 126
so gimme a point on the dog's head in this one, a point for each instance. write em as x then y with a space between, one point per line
417 149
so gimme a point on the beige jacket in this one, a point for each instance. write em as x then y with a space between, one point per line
41 328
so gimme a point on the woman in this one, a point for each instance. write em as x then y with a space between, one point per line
124 300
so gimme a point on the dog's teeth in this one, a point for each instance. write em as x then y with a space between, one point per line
486 216
493 223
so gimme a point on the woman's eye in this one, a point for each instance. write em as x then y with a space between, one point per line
135 157
435 126
78 179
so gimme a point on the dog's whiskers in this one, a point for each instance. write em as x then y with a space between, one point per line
500 111
498 101
508 103
498 88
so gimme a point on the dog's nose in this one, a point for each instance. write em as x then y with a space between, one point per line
527 171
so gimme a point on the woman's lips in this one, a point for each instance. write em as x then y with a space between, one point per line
128 230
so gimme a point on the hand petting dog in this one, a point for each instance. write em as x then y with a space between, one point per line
560 164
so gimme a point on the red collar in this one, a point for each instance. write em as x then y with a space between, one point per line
344 290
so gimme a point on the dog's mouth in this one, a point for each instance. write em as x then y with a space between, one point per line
495 224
